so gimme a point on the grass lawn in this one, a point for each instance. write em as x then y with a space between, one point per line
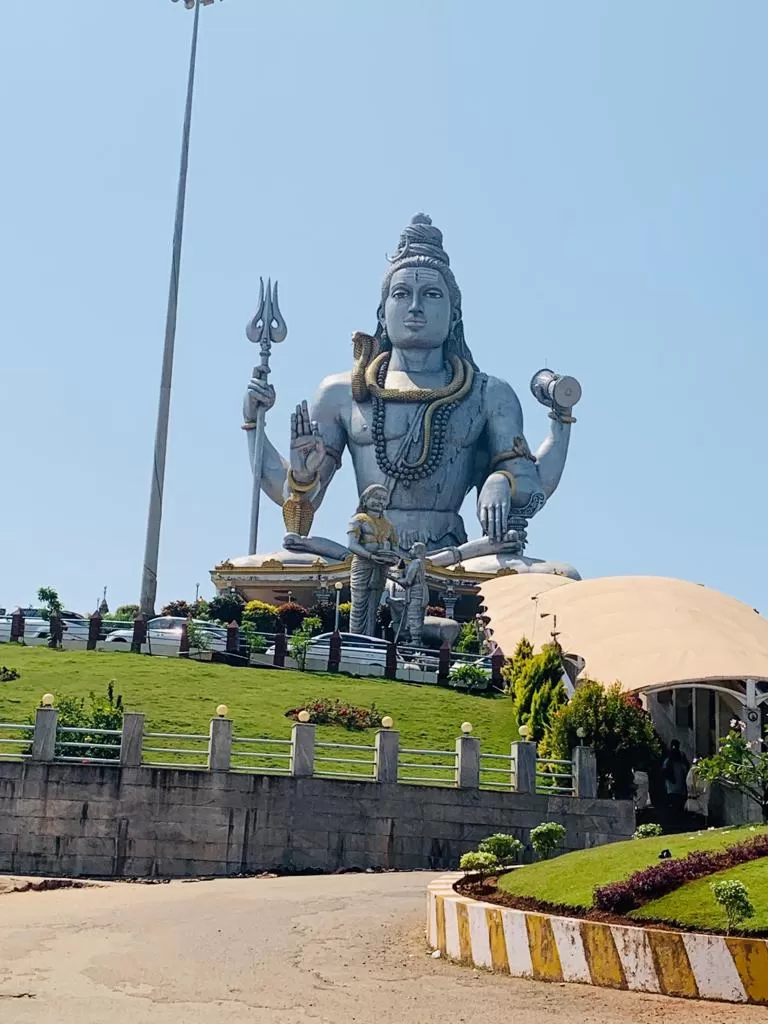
178 695
571 879
694 906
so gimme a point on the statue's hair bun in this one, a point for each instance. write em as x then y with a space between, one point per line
421 238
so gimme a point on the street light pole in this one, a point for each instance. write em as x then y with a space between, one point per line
338 587
154 517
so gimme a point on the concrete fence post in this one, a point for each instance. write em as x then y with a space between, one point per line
334 651
184 639
524 766
94 631
55 631
132 740
497 664
220 745
390 662
444 663
139 634
44 740
281 649
233 638
387 744
467 762
303 749
17 626
584 773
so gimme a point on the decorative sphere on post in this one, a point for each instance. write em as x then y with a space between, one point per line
222 710
387 722
47 700
338 585
466 728
303 717
525 731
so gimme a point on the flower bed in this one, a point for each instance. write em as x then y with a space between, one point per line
332 711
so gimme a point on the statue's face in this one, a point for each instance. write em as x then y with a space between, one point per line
417 310
376 503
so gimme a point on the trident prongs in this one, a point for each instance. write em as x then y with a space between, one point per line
267 324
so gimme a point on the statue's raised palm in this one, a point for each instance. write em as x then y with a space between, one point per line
307 448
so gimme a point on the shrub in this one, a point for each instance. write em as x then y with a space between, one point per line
733 897
125 613
472 678
96 713
178 609
648 831
479 862
291 615
199 638
468 641
545 838
505 848
300 641
332 711
659 879
515 667
226 608
739 766
255 641
7 675
539 691
261 615
616 727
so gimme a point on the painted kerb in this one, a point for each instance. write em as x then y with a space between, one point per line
548 948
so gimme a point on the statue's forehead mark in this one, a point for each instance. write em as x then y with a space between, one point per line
421 274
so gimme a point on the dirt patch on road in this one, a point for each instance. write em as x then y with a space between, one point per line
9 884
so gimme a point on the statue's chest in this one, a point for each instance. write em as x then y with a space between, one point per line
401 419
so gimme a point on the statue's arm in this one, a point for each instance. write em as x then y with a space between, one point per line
510 456
274 468
326 413
551 456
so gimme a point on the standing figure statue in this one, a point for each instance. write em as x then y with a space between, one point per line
419 418
408 595
372 539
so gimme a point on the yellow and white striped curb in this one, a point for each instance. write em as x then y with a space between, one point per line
530 945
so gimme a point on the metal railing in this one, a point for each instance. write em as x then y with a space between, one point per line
361 767
170 756
441 768
275 760
91 746
497 771
554 776
24 741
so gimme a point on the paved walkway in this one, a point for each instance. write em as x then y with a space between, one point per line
344 949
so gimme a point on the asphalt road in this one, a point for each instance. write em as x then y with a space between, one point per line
326 950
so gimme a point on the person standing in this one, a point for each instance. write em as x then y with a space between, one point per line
675 771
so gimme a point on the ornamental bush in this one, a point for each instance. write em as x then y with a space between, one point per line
617 728
291 615
535 682
332 711
479 862
226 608
505 848
468 641
648 831
261 616
472 678
733 897
662 878
7 675
739 766
545 838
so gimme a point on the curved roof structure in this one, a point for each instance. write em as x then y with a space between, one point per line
645 631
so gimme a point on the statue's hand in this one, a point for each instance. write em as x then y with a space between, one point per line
493 507
259 394
307 448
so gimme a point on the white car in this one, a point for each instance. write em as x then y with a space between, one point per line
355 648
36 627
164 635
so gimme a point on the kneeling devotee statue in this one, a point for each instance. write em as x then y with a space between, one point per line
420 419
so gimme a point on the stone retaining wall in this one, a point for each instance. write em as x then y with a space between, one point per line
548 948
111 821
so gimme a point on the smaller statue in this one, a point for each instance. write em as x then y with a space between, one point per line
408 595
371 538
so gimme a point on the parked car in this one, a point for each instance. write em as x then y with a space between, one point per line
37 626
355 648
164 635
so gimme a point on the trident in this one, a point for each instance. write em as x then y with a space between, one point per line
266 327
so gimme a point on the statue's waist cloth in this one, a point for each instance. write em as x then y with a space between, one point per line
435 528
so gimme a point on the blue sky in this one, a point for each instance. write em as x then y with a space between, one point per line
598 171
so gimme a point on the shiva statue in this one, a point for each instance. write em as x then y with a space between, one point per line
420 419
372 539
